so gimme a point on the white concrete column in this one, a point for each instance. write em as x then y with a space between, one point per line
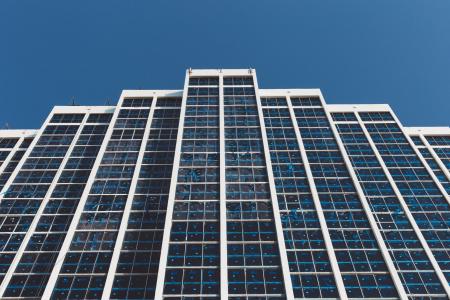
223 198
107 289
276 210
373 223
76 217
323 224
171 198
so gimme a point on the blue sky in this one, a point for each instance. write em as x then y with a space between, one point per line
383 51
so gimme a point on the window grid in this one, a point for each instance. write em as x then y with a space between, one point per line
306 251
404 167
353 241
6 147
426 154
39 257
15 152
96 232
25 194
400 239
254 266
435 140
140 253
193 263
77 244
444 155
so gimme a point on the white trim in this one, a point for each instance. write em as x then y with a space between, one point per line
408 213
44 201
357 107
83 109
223 199
107 289
216 72
276 210
18 133
319 210
148 93
76 216
171 198
288 92
427 130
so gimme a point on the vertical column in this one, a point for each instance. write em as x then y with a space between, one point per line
57 142
364 202
126 212
428 279
88 260
318 208
275 207
138 262
171 197
223 208
355 244
39 258
192 266
254 263
25 201
433 222
373 187
310 267
194 245
77 210
379 195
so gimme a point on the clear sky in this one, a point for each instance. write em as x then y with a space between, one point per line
360 51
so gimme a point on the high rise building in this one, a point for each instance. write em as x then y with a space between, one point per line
224 190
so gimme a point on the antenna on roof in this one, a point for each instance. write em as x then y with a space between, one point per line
107 102
73 101
6 125
190 70
250 71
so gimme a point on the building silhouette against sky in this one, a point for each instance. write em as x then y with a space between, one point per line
224 190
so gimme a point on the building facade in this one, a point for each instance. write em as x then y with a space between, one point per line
223 190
